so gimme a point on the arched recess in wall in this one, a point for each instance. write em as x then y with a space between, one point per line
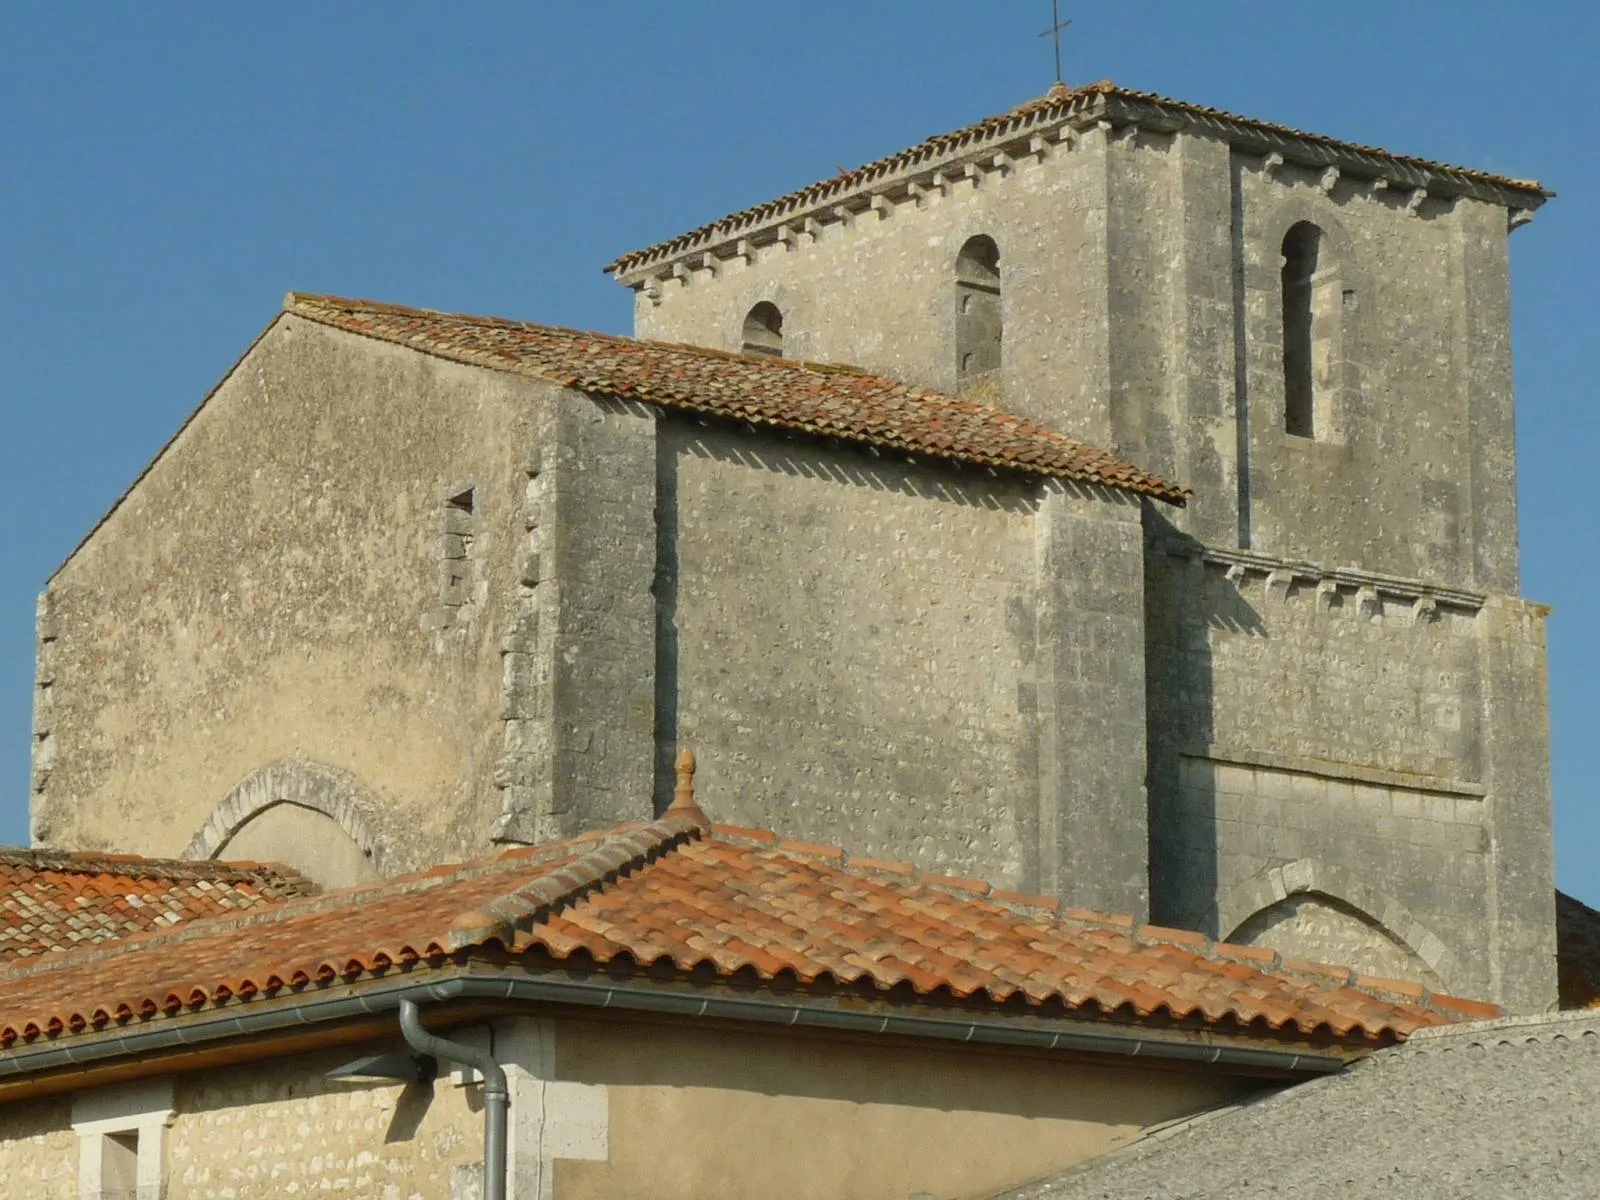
763 330
979 323
1314 911
1318 285
1302 247
312 817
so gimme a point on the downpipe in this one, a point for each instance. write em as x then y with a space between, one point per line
496 1096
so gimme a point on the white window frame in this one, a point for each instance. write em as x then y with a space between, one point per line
143 1108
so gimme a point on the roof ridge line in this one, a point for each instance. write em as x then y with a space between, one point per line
502 918
844 404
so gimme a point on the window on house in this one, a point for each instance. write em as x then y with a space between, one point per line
763 330
978 327
121 1140
1302 246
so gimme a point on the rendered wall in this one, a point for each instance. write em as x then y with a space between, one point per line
276 590
704 1115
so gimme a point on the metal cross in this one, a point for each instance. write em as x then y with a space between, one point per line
1055 32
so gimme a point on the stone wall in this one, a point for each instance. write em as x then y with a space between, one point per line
294 579
1335 736
879 290
869 653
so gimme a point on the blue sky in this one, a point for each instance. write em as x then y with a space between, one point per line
169 171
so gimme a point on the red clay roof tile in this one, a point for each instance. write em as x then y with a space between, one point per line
56 900
672 892
813 398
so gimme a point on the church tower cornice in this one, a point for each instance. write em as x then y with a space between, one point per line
1028 133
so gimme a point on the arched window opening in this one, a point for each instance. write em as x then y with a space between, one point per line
978 319
763 330
1302 246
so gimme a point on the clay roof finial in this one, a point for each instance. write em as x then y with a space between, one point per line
683 801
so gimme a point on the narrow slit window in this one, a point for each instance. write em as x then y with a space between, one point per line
1302 246
978 316
763 330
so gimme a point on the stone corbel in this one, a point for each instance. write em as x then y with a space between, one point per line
1038 147
1414 201
1237 574
1368 604
844 214
883 206
1424 610
709 264
973 172
1516 218
1327 593
1278 585
812 227
1270 163
744 250
786 237
1002 162
941 182
1328 180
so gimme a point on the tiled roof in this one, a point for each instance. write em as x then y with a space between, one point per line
1055 106
737 905
1577 953
1480 1111
823 400
55 900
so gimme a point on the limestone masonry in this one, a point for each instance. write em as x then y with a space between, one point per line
407 585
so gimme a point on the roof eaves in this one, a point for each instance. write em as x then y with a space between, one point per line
470 978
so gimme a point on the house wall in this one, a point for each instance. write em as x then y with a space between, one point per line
704 1115
611 1108
274 594
267 1130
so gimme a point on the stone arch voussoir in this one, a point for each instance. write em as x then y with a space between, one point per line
1309 876
334 793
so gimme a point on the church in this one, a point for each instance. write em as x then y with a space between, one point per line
1084 543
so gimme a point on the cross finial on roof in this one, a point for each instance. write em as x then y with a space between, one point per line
1056 26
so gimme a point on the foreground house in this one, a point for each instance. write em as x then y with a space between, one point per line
683 1010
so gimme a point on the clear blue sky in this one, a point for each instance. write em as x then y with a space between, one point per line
169 171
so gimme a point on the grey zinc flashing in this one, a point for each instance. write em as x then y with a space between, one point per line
1434 1118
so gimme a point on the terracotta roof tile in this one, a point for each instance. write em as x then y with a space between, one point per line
672 892
57 900
823 400
1053 107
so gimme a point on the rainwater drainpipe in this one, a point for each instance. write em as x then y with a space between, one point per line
496 1097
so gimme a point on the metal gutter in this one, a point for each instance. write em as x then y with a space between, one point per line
559 988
